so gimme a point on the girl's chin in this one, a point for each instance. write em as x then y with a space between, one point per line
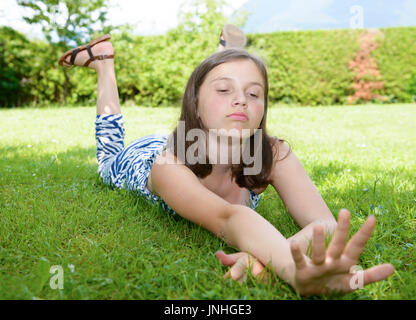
233 132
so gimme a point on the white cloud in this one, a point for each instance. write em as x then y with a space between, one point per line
152 17
148 17
11 15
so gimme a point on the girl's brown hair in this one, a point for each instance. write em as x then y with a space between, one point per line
192 121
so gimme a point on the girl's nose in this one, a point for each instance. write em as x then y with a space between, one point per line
240 99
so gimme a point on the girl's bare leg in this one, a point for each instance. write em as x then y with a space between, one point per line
107 92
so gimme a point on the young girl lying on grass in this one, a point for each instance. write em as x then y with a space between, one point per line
228 91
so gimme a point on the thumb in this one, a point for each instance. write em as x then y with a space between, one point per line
228 259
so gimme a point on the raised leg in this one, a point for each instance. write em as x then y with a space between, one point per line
107 93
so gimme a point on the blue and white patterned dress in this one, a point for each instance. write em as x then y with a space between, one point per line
129 167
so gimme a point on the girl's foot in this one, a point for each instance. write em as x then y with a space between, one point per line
232 37
89 55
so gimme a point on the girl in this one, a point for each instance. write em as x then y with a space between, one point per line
226 97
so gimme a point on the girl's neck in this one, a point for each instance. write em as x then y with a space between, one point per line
221 151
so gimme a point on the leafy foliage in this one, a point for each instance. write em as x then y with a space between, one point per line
396 59
305 67
308 67
28 73
67 23
412 86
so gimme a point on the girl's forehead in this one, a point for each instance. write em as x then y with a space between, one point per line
236 69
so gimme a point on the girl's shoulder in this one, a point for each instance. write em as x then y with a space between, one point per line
167 156
280 147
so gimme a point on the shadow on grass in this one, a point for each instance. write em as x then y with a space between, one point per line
75 169
365 191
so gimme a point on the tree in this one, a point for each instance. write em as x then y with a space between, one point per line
67 23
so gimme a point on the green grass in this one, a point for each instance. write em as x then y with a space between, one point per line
113 245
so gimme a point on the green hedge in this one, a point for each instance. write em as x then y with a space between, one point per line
305 67
308 67
396 60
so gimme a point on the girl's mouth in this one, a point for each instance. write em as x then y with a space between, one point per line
238 116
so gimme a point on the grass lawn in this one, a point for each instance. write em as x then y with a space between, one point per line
113 245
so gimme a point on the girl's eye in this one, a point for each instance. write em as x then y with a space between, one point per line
253 95
222 90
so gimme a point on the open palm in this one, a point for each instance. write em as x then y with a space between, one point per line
329 270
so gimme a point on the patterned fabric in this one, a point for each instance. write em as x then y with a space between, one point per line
129 167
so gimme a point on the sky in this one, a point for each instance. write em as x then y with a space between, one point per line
157 16
279 15
148 16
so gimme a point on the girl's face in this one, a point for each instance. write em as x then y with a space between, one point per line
232 87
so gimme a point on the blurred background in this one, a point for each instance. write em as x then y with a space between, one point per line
318 52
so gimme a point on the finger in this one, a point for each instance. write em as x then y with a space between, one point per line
256 268
297 255
258 271
363 277
237 271
339 240
358 241
318 244
228 259
378 273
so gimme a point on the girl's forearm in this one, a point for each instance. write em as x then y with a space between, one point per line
246 230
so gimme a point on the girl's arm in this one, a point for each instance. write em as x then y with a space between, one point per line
246 230
327 269
239 226
300 196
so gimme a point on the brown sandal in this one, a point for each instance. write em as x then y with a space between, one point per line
232 37
74 52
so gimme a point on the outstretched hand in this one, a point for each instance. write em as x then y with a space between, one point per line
330 270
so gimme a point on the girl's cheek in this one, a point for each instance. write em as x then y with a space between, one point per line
259 110
214 107
216 103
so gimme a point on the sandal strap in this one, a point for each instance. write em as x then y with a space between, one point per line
101 57
90 52
73 55
222 42
92 57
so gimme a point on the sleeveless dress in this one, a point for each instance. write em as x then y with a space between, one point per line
129 167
